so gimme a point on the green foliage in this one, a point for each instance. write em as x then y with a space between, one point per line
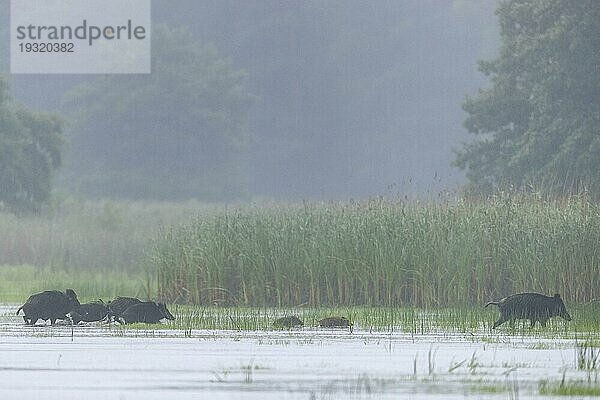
571 389
175 133
30 151
538 122
383 253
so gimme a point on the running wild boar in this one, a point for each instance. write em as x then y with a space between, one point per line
147 311
334 322
532 306
49 305
288 322
89 312
118 306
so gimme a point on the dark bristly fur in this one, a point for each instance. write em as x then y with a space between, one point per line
287 322
89 312
118 306
147 311
334 322
532 306
49 305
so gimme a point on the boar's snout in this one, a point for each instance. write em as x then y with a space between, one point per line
165 312
562 310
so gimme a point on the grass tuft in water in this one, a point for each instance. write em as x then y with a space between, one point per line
575 388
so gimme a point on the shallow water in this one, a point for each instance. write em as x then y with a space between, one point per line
96 361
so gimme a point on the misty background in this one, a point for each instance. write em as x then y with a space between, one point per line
323 100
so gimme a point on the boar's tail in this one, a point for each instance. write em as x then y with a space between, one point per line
491 302
20 308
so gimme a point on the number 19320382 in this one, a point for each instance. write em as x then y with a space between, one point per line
47 47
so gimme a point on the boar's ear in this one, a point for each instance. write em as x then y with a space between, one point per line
556 296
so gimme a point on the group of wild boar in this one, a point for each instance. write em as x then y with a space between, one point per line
532 306
54 305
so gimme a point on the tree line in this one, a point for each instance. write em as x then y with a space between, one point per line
183 130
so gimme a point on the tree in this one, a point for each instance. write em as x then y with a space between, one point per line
30 152
539 122
173 134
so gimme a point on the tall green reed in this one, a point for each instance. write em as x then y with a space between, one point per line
382 252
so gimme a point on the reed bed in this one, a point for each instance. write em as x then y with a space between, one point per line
382 253
376 253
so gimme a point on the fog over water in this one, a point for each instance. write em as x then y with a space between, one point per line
345 99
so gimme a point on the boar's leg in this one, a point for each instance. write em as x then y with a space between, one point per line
500 321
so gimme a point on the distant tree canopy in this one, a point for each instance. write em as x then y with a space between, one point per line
30 151
539 122
173 134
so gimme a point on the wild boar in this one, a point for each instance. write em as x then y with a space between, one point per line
117 307
48 305
147 311
334 322
532 306
89 312
287 322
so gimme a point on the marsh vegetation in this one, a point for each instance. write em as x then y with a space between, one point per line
412 278
382 252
